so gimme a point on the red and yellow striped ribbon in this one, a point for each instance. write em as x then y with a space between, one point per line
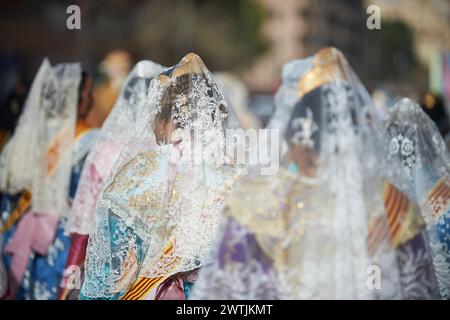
439 197
143 285
23 204
397 207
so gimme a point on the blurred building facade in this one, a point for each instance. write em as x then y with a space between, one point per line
299 28
164 30
429 20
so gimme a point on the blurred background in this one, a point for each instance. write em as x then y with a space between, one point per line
248 39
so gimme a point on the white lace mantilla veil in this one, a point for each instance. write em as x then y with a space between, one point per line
236 92
419 165
159 210
38 156
112 138
286 96
319 228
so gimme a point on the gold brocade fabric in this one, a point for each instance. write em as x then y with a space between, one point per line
328 65
257 203
278 210
142 201
143 164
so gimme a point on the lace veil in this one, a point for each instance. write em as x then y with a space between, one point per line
112 138
418 164
38 156
319 228
159 210
236 92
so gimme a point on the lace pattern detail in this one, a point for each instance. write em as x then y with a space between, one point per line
44 137
309 237
159 210
418 164
112 138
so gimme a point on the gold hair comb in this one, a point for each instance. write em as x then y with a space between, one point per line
328 66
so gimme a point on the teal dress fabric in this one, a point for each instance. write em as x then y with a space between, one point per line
120 235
